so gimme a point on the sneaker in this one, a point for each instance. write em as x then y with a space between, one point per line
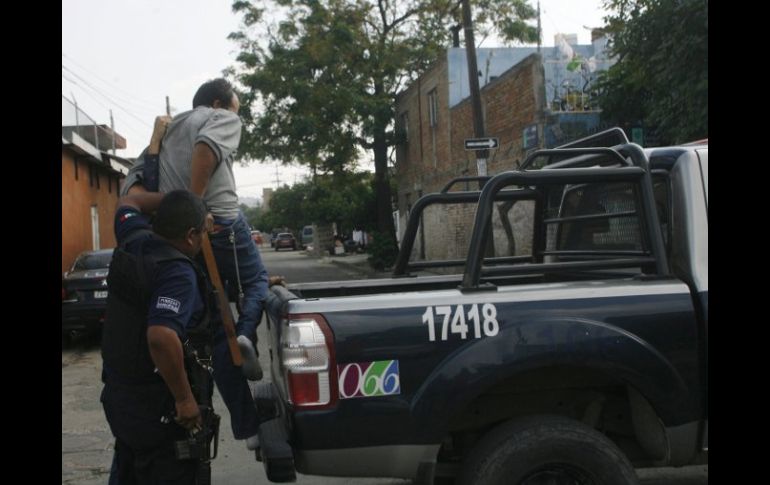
252 442
251 368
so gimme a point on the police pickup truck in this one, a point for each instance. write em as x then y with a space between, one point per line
576 363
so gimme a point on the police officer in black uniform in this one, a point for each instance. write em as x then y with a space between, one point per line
158 298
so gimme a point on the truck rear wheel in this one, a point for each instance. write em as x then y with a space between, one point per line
540 450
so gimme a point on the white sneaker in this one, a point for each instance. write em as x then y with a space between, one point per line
251 368
252 442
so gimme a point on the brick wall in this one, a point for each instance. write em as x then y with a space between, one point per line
510 103
93 185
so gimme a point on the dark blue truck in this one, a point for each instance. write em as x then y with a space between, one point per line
573 364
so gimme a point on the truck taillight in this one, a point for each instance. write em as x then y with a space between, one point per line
307 358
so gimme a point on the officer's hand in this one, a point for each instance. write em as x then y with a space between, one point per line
188 415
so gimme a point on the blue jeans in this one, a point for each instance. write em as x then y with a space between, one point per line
229 379
245 263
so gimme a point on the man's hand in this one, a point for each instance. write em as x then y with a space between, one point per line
161 124
276 280
188 415
209 223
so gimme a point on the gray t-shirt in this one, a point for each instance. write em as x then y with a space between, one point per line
220 129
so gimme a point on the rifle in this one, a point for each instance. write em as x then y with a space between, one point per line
198 444
224 305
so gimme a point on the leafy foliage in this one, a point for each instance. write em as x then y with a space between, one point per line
661 74
383 252
322 84
346 199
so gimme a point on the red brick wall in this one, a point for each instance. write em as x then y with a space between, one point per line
510 103
78 195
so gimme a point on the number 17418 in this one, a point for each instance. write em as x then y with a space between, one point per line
486 321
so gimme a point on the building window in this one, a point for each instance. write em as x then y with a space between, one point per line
95 227
403 121
408 204
433 114
433 107
403 129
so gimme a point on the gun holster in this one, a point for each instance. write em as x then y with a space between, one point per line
197 446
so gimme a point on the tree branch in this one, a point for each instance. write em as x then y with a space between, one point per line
364 144
385 27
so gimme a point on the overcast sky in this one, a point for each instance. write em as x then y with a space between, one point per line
127 56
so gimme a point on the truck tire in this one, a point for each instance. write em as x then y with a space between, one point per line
545 450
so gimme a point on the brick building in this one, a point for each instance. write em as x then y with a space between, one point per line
529 100
434 153
90 184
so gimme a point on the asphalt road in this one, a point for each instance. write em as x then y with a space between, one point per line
87 441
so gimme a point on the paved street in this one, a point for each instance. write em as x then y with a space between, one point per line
87 442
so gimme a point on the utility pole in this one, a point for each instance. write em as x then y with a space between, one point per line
473 81
168 107
277 178
112 127
478 117
539 32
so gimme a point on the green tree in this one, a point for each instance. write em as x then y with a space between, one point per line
346 199
661 74
323 84
253 215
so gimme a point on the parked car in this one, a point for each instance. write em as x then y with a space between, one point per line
84 292
274 234
306 237
285 240
257 237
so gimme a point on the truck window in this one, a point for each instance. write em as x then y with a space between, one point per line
599 217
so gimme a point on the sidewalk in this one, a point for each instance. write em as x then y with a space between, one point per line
357 262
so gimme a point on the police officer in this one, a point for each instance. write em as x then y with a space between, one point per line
158 296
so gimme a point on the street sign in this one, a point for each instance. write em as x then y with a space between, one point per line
481 143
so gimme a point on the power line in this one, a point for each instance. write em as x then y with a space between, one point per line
148 103
138 132
98 91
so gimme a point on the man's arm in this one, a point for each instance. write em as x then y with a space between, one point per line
133 181
168 356
204 161
145 202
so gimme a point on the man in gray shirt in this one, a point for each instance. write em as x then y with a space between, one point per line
197 154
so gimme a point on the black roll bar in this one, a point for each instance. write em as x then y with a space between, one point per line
402 261
639 173
457 180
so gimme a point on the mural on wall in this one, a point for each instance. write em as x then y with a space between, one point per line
571 72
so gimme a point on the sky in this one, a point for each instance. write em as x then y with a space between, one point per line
127 56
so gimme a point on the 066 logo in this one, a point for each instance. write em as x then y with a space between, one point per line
367 379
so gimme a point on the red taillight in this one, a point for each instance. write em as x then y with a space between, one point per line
304 388
307 359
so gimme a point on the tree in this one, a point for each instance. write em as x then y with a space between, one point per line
346 199
661 73
324 85
252 214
